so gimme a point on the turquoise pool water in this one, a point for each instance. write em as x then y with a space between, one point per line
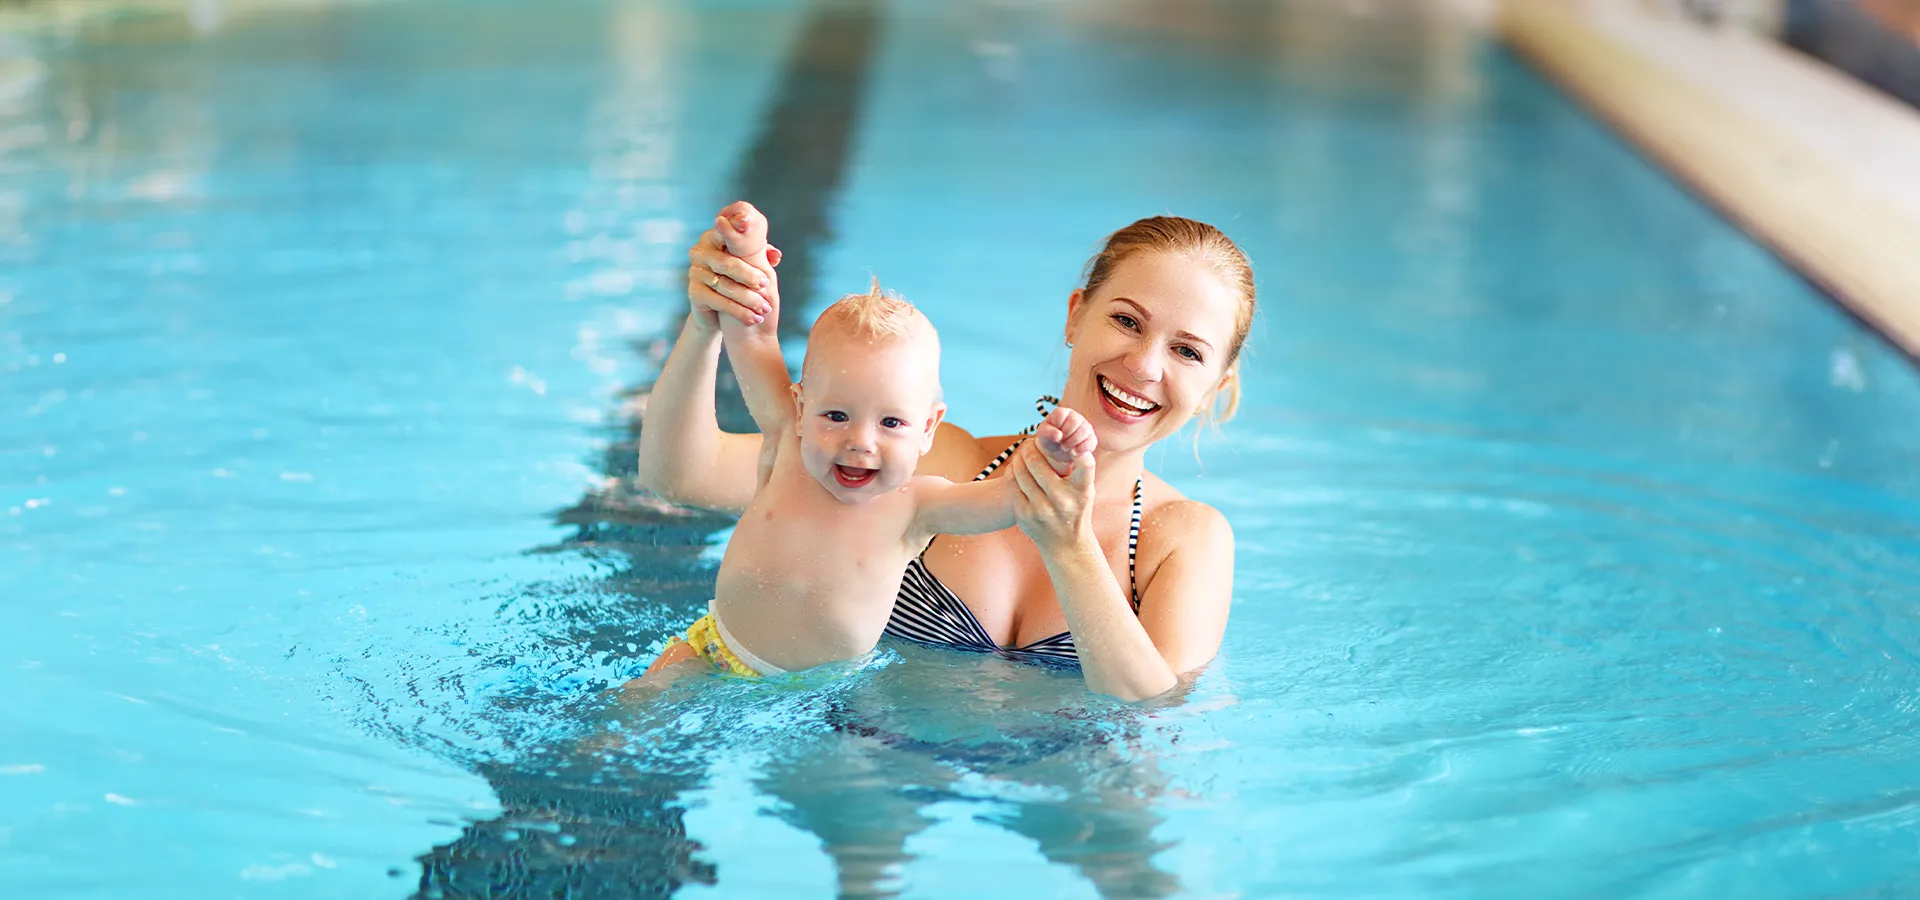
1579 540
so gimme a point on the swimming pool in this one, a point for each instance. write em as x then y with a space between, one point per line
1577 536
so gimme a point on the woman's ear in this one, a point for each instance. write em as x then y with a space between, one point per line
1076 306
1210 407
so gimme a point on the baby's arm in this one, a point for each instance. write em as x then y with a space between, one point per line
754 350
979 507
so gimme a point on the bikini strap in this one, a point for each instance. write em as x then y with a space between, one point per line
1139 494
1133 544
1039 406
1001 459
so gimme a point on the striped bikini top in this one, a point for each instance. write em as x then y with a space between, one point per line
927 612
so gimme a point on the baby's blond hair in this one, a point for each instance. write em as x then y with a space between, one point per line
874 314
874 317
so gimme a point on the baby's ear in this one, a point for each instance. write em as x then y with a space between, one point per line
933 427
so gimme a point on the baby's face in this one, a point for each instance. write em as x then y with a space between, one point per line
867 413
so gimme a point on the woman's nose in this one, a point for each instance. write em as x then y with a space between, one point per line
1144 363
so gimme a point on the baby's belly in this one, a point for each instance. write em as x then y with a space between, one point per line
799 614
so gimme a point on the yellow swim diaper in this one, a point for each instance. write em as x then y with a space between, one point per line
711 642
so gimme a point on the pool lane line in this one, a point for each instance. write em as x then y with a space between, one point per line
792 171
797 162
1822 218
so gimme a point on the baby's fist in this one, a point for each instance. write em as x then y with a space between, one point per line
1064 436
743 229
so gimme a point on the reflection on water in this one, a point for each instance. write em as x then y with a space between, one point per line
605 815
865 760
1576 550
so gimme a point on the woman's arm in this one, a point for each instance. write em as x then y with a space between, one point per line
1183 606
1117 656
981 507
1123 655
684 456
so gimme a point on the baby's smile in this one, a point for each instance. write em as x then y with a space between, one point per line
854 477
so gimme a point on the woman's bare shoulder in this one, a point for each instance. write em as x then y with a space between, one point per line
958 456
1169 518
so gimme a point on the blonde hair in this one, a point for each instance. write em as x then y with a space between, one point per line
1204 243
874 314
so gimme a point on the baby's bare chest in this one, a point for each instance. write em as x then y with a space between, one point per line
791 544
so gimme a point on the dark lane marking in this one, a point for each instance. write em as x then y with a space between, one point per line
625 832
798 160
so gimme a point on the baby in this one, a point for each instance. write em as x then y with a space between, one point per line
814 564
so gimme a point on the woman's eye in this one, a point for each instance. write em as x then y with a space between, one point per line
1188 352
836 416
892 422
1126 321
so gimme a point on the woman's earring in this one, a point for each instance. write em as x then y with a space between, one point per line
1069 345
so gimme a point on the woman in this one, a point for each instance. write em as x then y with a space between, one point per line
1110 567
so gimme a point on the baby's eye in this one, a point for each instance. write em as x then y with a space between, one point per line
1188 352
834 415
1124 320
893 422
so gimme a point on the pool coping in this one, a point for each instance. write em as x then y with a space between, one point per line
1803 157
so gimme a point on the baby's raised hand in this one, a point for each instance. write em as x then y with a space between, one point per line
1063 436
745 231
742 232
730 270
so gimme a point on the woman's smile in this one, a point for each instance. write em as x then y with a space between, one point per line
1123 404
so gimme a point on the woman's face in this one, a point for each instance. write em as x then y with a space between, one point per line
1149 347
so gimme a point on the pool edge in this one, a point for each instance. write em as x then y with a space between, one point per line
1821 215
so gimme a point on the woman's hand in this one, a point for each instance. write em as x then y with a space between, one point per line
1054 511
721 283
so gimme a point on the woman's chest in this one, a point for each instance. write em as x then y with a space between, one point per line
1003 581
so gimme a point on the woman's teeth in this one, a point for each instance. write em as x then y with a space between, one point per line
1127 401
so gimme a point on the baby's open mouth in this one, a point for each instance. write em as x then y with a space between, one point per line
853 477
